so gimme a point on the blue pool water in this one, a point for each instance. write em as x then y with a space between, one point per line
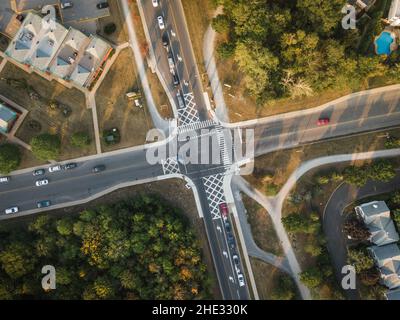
383 43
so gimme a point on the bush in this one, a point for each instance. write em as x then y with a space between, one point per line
221 23
312 277
271 189
46 146
369 277
226 50
356 230
298 223
392 142
360 258
396 217
110 28
322 180
80 139
285 289
10 157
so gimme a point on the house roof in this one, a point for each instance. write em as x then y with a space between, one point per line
70 52
387 259
393 294
382 231
373 208
6 115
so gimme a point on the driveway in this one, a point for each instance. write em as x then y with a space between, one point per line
333 219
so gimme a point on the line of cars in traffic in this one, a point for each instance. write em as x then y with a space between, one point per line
223 208
45 181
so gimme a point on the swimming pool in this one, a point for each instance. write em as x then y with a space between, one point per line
383 42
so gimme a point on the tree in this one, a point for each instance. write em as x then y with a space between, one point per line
46 146
369 277
110 28
311 277
382 171
226 50
356 230
360 258
323 180
10 157
16 260
221 23
355 175
80 139
285 289
395 198
396 217
271 189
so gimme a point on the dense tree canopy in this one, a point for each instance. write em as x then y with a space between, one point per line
297 48
46 146
10 157
139 249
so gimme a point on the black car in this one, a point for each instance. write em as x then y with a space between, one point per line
176 80
39 172
102 5
99 168
227 226
44 204
231 240
71 165
165 41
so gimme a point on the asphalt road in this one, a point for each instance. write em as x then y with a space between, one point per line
76 184
334 219
359 114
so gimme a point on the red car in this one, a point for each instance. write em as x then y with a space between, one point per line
223 208
323 121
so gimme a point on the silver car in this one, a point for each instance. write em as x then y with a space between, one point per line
11 210
42 182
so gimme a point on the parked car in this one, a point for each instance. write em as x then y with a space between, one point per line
241 280
223 208
171 64
11 210
102 5
39 172
43 204
155 3
161 24
99 168
56 168
322 121
4 179
231 240
71 165
66 5
42 182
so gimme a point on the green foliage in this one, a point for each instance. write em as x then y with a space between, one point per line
139 249
392 142
285 289
323 180
360 258
396 217
46 146
271 189
10 157
226 50
298 48
80 139
110 28
379 171
312 277
395 198
299 223
221 23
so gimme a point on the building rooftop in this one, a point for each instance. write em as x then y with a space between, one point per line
388 260
393 294
374 208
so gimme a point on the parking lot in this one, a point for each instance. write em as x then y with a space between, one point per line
83 10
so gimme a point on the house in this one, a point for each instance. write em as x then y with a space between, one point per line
37 41
376 216
362 6
7 118
71 51
47 46
95 54
393 294
387 259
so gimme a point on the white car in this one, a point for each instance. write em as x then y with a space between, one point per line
66 5
4 179
11 210
155 3
55 168
42 182
161 24
241 280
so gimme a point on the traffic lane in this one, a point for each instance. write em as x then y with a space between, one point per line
273 138
217 247
134 159
75 188
178 19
